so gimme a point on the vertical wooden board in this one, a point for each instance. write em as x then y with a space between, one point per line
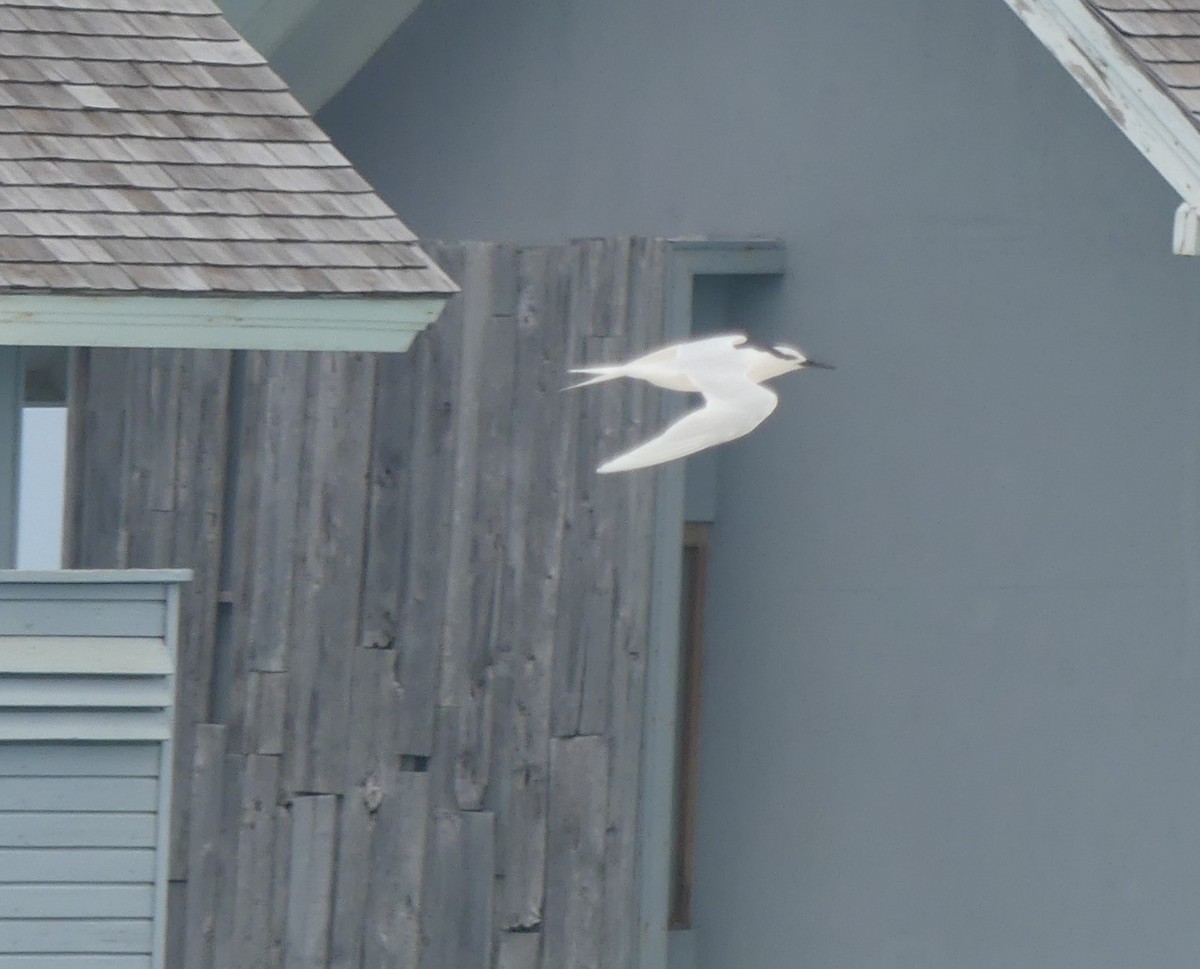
307 565
608 498
329 569
232 817
488 624
371 734
244 483
279 459
281 868
596 633
456 914
176 922
152 438
450 421
502 799
414 645
231 703
527 401
199 504
463 327
101 446
251 933
471 754
575 860
310 882
519 950
75 489
204 846
354 864
392 924
429 510
266 713
585 593
504 279
383 589
442 760
631 628
532 572
135 517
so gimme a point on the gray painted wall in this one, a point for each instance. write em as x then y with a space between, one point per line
951 685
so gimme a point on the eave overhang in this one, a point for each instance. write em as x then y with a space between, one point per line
212 322
1148 116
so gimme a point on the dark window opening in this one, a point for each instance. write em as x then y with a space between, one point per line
691 625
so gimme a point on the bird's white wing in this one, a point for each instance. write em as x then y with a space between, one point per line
733 405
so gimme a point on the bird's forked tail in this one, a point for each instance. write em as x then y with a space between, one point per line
601 374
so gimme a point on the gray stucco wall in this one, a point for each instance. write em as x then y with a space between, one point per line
952 705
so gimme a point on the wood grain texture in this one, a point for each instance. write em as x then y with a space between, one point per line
203 848
457 915
310 881
418 627
575 852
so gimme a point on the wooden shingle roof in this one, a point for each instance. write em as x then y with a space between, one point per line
1164 37
1140 61
146 148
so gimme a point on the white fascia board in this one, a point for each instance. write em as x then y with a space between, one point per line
278 323
1158 127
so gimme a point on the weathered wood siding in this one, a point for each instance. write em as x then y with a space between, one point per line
413 657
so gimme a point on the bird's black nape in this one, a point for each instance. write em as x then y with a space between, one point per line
768 349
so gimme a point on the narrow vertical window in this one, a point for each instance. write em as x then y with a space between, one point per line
695 575
42 462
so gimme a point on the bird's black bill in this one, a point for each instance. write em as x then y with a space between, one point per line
820 366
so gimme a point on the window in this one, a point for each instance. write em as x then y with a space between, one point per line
692 587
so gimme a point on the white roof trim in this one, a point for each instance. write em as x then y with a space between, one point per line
1159 128
235 323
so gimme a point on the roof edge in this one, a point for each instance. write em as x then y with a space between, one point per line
1151 119
215 322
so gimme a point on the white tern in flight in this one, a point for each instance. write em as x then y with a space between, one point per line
728 370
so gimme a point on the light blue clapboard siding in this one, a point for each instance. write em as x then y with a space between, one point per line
34 901
85 655
76 935
86 695
83 691
74 962
82 617
72 794
83 760
80 592
85 829
85 725
77 865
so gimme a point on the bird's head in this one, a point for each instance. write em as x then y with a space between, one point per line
796 357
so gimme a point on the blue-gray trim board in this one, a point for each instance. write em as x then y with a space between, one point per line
687 259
